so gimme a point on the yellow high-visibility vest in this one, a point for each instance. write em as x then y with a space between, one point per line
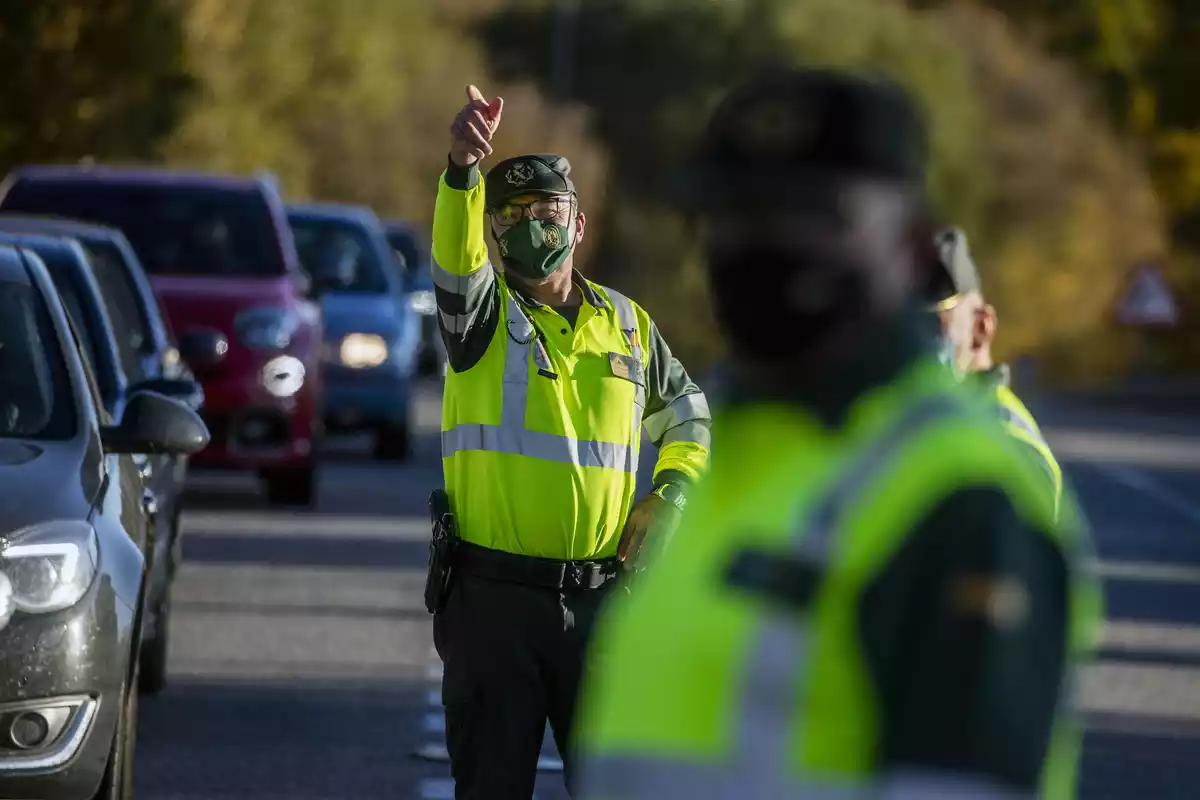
700 691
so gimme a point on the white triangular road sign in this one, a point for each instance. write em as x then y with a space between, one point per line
1148 300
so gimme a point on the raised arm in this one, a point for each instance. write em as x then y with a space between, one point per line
464 283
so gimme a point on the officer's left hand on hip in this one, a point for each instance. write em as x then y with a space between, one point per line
651 516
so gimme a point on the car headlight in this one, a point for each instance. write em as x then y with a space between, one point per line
283 376
266 328
360 350
47 567
423 302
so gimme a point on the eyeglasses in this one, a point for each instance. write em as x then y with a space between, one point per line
554 207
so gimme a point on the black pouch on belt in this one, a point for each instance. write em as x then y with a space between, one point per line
441 551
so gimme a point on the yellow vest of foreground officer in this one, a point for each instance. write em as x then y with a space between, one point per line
703 691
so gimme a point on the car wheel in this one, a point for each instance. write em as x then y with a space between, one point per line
392 442
153 663
117 783
291 486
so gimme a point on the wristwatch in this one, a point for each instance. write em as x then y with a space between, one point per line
672 494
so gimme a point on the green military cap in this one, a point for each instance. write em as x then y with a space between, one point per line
954 272
542 173
788 135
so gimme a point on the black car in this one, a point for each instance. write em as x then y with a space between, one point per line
88 309
74 540
413 253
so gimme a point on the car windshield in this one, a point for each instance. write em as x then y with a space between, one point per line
175 229
77 298
35 397
130 326
407 244
339 255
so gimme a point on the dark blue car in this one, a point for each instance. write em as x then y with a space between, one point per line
372 333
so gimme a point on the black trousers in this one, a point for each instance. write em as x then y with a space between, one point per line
513 657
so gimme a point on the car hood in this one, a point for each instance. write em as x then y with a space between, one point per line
357 312
51 472
213 302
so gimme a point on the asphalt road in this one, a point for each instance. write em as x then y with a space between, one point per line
302 664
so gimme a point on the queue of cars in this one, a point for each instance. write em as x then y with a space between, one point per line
151 320
80 533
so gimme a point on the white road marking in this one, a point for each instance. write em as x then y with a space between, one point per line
1152 636
1141 482
281 524
1145 449
1158 692
1149 572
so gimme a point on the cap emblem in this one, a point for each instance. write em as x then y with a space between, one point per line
519 174
772 128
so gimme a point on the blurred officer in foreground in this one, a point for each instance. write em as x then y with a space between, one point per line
870 595
968 329
552 379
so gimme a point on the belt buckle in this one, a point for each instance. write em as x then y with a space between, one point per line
575 571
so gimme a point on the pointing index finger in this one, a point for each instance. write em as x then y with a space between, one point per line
474 95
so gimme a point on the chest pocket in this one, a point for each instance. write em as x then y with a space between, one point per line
613 410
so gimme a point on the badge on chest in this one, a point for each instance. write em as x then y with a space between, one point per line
626 367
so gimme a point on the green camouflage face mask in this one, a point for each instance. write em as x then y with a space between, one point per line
533 249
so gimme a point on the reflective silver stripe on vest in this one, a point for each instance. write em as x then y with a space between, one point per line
777 670
685 408
1016 420
511 436
460 284
627 319
456 323
693 432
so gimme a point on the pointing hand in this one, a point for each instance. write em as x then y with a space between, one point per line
474 127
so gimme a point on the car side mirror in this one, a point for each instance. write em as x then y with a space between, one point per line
154 424
185 390
202 347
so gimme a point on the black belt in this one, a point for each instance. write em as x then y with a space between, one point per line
546 573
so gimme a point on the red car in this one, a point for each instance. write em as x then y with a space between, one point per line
221 258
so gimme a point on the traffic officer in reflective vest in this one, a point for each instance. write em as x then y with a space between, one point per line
552 380
968 329
870 595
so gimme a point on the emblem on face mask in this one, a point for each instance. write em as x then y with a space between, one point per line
519 174
551 238
503 245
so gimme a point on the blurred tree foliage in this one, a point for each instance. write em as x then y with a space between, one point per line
1144 58
89 77
349 102
1056 206
1034 120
